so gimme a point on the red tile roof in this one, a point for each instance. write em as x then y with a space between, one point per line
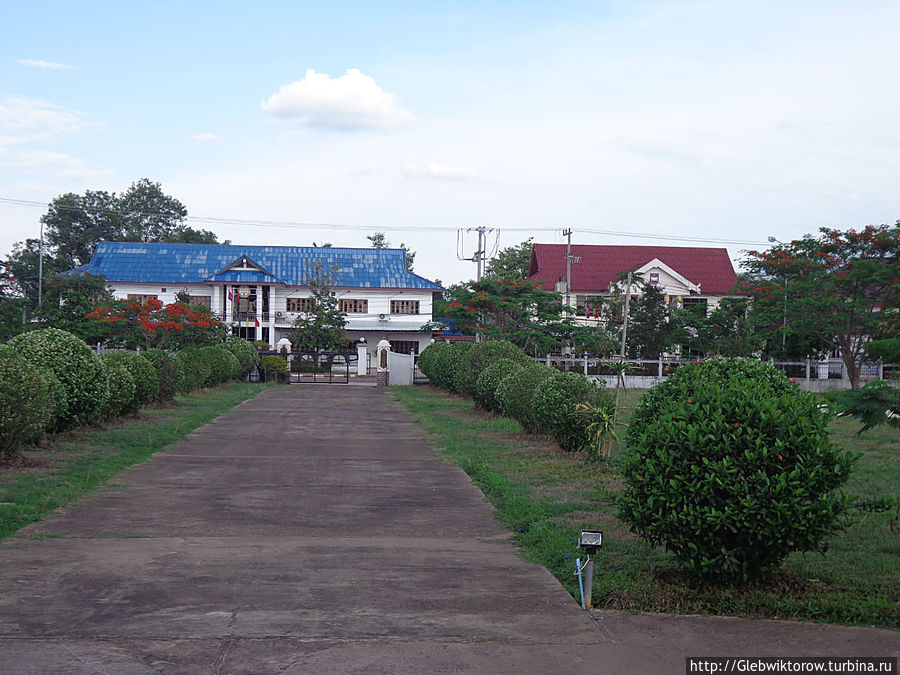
710 268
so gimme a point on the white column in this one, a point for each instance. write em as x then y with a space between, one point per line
361 353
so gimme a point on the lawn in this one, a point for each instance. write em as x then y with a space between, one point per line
545 496
78 462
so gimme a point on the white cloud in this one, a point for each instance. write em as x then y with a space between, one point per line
29 120
440 172
350 102
44 65
45 160
205 137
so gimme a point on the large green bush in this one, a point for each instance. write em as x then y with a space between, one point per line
481 355
489 380
224 366
553 408
168 371
27 406
731 468
146 381
244 352
273 368
77 368
196 367
121 386
447 361
427 358
515 391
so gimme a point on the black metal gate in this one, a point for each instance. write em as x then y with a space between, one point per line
312 367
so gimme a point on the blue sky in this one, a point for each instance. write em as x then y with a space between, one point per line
724 121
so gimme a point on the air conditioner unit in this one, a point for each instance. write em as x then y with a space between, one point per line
382 316
279 314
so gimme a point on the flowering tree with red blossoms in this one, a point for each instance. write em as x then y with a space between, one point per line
838 290
153 324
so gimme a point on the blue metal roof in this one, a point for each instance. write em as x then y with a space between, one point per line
128 262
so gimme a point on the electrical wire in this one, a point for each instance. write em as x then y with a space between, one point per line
301 225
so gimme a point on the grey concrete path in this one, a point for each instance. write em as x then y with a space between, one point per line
314 530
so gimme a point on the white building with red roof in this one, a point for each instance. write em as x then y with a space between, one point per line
687 275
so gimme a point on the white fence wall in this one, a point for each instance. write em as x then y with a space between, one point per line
402 368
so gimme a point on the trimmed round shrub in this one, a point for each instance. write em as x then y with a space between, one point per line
146 381
27 406
196 367
244 352
490 378
427 358
481 355
273 368
121 386
731 468
77 368
168 371
553 408
224 365
515 391
447 361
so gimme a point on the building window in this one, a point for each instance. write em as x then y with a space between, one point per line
404 306
298 304
202 300
696 306
349 306
140 299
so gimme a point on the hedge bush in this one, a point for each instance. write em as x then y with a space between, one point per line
731 468
169 372
121 386
273 368
553 408
224 366
479 356
489 380
77 368
244 352
428 356
146 381
515 391
26 403
196 367
447 361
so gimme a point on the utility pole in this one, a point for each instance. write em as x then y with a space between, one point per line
41 265
480 255
625 318
569 260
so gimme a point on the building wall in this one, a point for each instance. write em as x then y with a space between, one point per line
372 325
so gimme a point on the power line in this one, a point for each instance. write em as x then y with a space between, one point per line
301 225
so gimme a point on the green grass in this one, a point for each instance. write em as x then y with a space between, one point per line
545 496
81 461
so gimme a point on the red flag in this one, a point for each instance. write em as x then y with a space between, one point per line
257 321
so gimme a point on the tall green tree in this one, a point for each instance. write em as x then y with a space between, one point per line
518 311
727 331
653 326
75 224
379 240
321 326
512 263
68 299
834 291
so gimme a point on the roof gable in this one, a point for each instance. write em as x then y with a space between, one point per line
708 269
126 262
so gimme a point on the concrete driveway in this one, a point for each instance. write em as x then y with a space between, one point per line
313 529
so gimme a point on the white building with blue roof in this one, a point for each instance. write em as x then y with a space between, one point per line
260 290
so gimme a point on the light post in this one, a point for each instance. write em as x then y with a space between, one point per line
41 265
773 240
